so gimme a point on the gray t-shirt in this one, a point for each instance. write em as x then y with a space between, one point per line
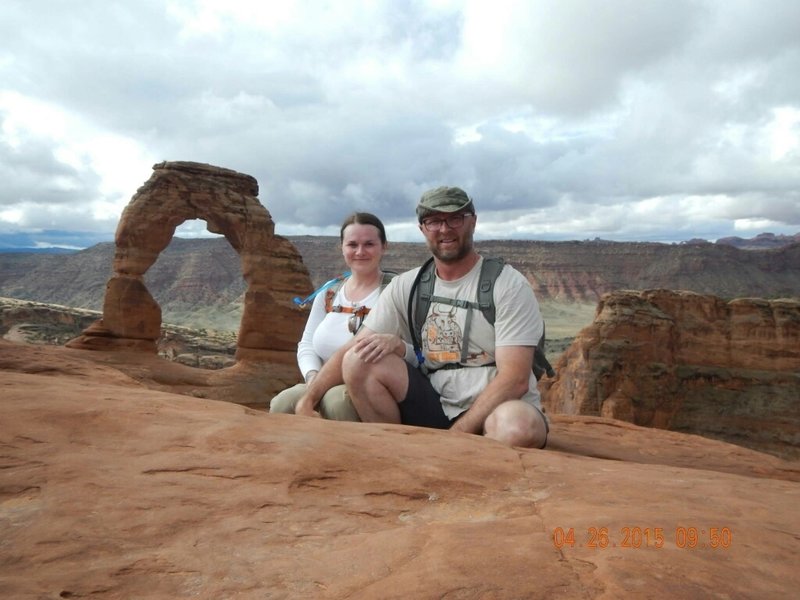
518 322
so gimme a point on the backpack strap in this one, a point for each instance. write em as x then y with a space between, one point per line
331 292
424 283
490 271
418 304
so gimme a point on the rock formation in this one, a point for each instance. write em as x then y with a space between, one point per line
111 489
227 201
37 323
690 363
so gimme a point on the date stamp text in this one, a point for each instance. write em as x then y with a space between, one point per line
684 537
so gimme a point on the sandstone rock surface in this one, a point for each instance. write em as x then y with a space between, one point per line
690 363
227 201
112 489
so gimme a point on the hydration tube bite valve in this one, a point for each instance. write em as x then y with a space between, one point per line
301 302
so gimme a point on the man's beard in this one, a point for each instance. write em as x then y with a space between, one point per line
463 249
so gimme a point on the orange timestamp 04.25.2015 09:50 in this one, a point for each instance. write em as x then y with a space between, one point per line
635 537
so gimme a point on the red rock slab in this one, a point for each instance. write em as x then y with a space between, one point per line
611 439
111 490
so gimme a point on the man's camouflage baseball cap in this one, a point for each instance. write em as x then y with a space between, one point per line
442 199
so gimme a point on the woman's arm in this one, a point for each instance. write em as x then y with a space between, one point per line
329 375
307 358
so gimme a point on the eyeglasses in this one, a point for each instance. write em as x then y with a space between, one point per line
453 222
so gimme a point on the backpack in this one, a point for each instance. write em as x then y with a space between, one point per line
359 312
421 296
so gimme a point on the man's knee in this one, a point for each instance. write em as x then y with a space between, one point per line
517 423
353 370
356 372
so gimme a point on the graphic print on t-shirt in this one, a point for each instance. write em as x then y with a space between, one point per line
443 335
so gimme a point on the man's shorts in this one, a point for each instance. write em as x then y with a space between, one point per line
421 406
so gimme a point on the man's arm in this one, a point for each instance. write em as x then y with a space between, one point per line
510 383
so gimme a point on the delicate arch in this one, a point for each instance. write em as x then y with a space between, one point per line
227 201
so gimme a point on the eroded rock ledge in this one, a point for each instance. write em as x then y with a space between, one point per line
688 362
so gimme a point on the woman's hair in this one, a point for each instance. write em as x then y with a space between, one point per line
362 218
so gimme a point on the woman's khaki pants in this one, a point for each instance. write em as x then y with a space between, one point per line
335 404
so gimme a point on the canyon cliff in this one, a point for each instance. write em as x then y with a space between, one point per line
584 271
691 363
199 282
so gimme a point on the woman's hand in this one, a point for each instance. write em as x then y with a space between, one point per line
305 408
374 347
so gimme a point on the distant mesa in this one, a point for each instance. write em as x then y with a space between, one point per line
270 265
696 242
198 282
762 241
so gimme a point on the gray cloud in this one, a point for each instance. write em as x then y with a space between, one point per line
540 111
33 176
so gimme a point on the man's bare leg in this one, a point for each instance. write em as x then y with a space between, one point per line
375 389
516 423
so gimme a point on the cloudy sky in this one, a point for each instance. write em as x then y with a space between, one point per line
564 119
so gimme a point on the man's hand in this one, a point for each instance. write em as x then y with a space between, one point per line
511 383
372 347
466 424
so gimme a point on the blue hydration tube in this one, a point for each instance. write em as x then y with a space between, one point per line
303 301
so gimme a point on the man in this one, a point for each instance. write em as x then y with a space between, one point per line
478 376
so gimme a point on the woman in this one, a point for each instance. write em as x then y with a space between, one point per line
337 315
